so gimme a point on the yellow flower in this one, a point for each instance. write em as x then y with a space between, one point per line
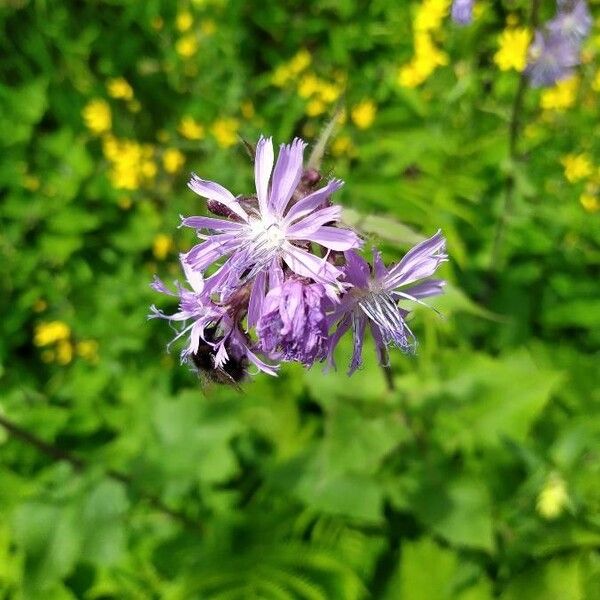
225 131
119 88
596 81
161 246
315 107
430 15
149 169
342 145
208 27
183 21
130 162
553 497
329 92
308 85
363 114
157 23
173 160
427 57
50 332
31 183
281 75
97 116
247 109
513 49
190 129
589 202
88 349
577 167
186 46
300 61
64 352
560 96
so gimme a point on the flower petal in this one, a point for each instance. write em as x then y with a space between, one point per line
194 277
359 324
263 166
257 297
335 238
210 223
432 287
420 262
216 192
312 201
308 265
204 254
286 175
310 223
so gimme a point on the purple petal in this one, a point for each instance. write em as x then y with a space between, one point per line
263 166
311 223
335 238
195 278
312 201
419 262
210 223
359 324
308 265
334 339
357 270
379 268
216 192
257 296
286 175
204 254
432 287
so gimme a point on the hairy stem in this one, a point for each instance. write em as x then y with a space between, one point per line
79 464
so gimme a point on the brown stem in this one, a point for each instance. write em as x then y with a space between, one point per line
81 465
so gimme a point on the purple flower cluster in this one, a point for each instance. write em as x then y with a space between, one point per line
556 47
277 278
462 11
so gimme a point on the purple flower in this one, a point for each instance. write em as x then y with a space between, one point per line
551 58
462 11
259 239
375 294
293 325
572 22
206 322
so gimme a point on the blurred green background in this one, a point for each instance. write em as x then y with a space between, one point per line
121 477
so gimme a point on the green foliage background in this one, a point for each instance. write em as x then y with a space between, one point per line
307 486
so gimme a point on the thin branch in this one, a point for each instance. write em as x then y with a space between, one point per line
514 131
80 465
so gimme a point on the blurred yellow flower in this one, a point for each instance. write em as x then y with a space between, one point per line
208 27
363 114
281 75
596 81
130 162
577 167
308 85
31 183
315 107
64 352
512 54
225 131
430 15
560 96
247 109
149 169
329 92
426 59
173 160
161 246
342 145
190 129
589 202
97 116
119 88
300 61
88 349
553 497
184 20
50 332
187 45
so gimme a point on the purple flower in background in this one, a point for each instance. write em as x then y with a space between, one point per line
258 239
462 11
572 22
293 325
375 294
551 58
